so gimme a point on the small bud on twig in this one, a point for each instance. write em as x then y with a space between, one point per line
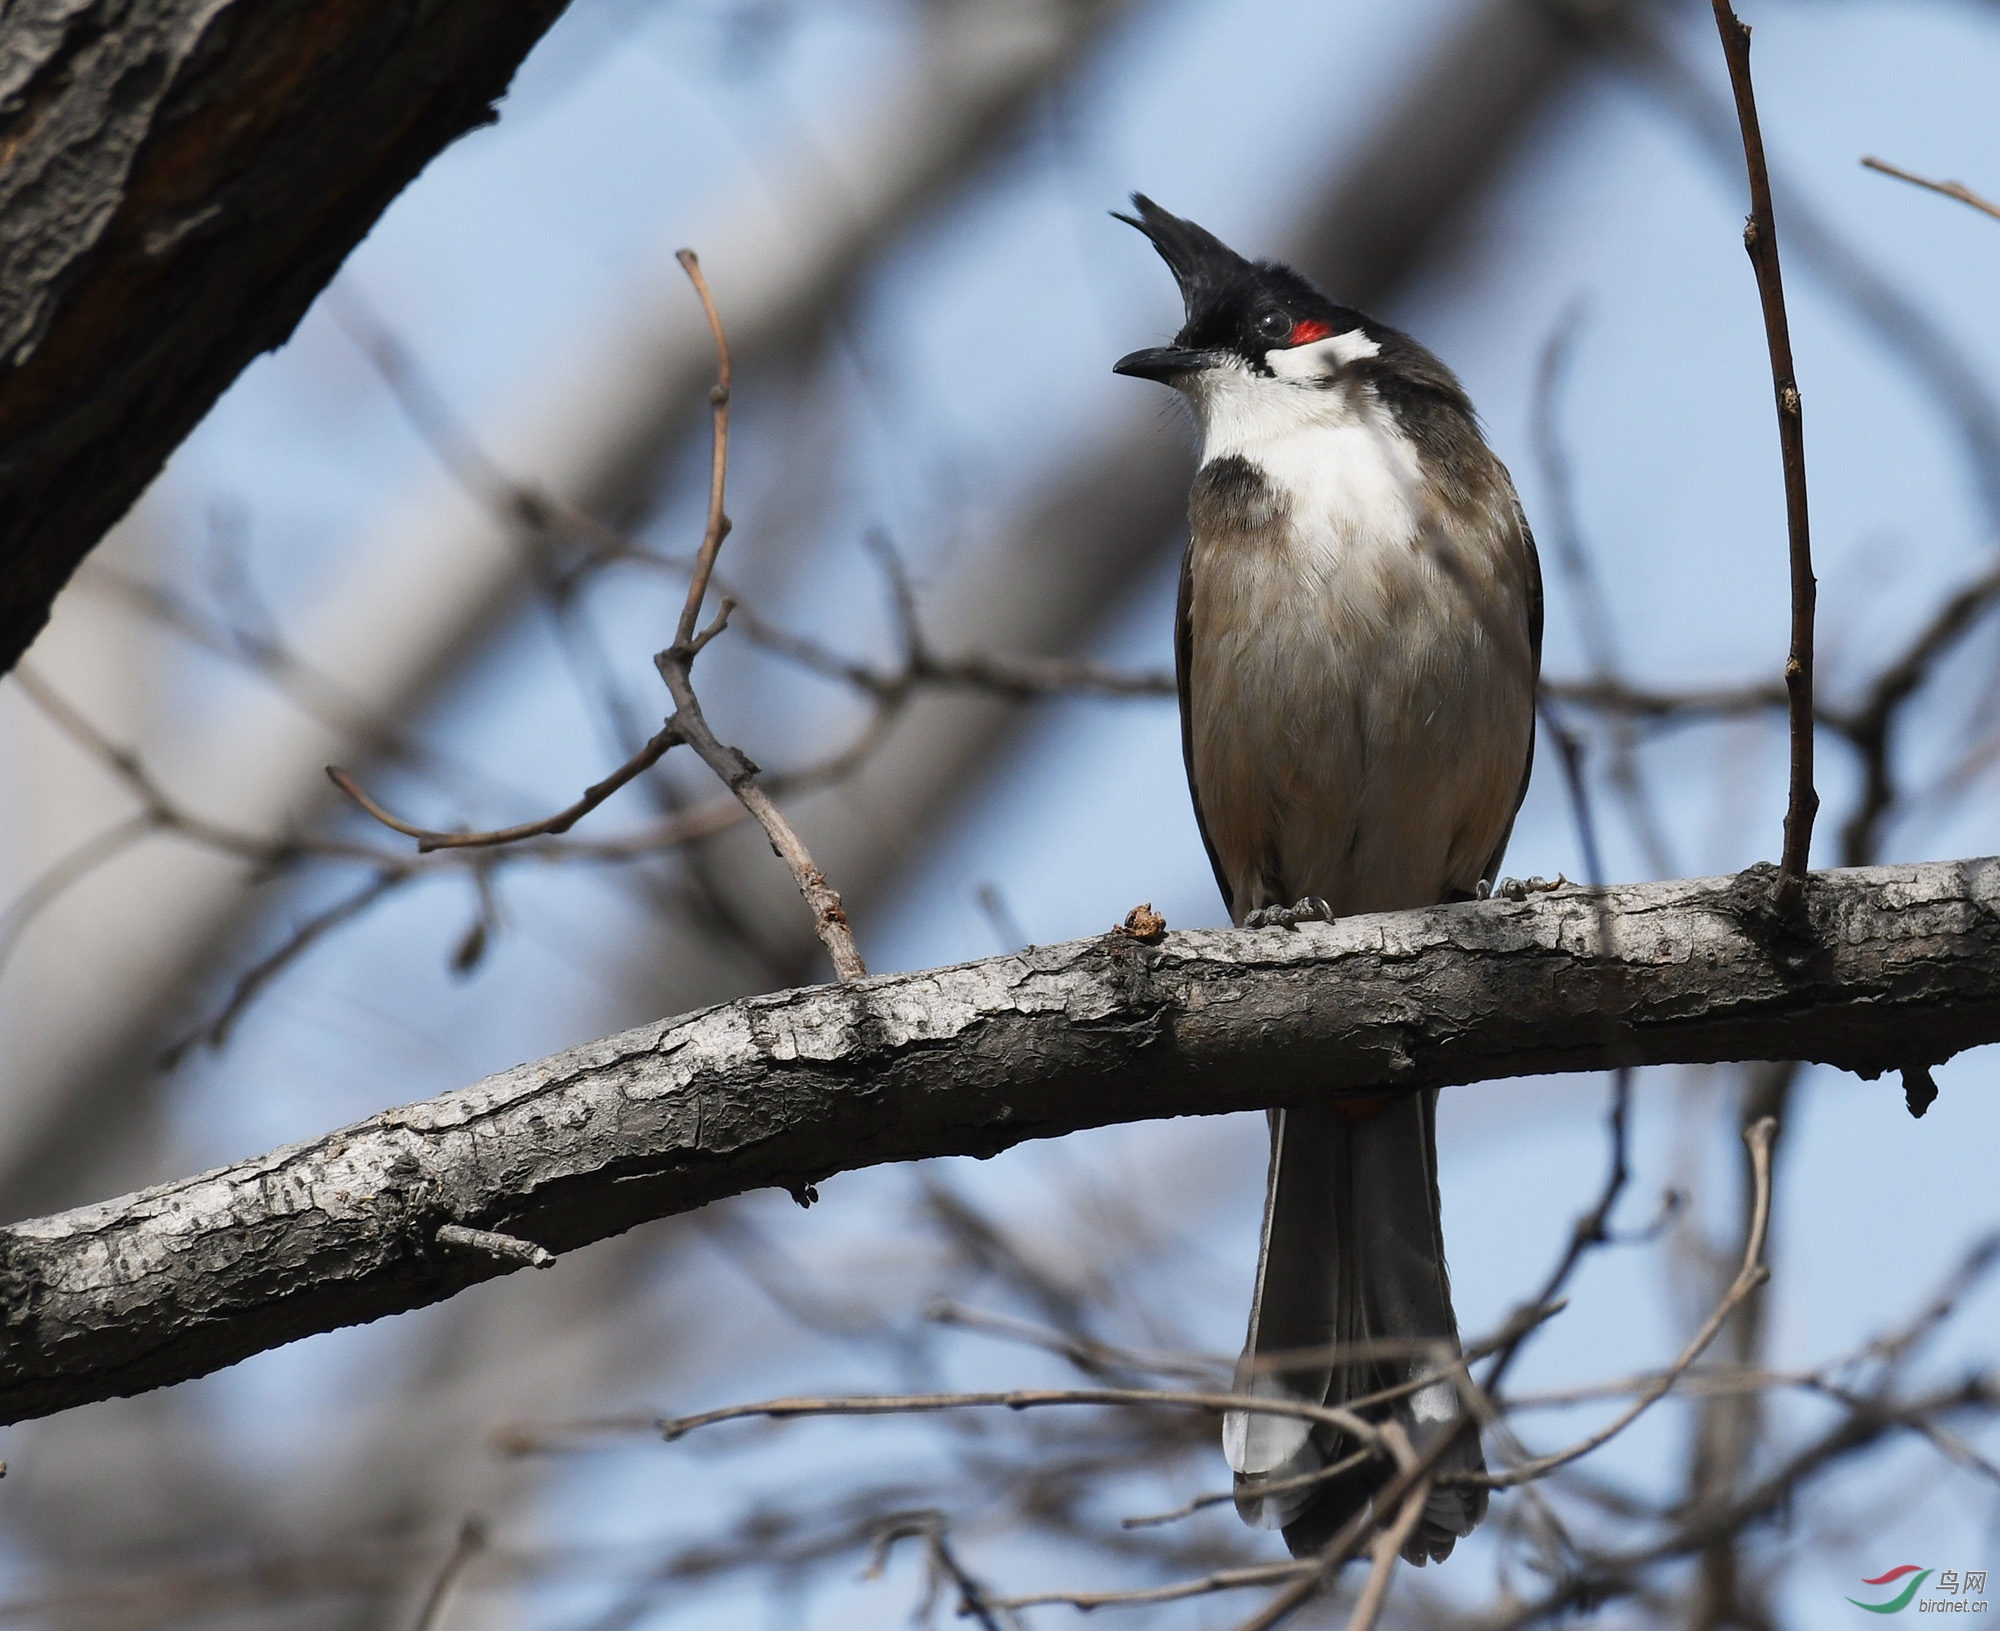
495 1244
1142 923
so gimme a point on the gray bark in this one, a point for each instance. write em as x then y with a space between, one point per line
178 180
1889 967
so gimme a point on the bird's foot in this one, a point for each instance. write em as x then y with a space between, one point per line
1310 910
1520 888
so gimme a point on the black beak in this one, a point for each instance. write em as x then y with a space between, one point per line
1165 363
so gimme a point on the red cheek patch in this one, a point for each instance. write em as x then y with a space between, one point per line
1304 333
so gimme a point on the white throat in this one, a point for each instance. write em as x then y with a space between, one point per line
1243 412
1326 441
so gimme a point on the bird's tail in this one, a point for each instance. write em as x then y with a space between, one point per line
1353 1255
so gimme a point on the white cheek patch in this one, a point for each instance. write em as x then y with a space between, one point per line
1322 357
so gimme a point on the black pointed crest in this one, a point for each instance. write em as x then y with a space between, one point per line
1203 265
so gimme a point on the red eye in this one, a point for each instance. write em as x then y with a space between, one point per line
1306 331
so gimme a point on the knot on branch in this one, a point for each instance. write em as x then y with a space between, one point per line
1919 1089
1767 904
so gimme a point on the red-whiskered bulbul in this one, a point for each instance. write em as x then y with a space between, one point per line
1358 642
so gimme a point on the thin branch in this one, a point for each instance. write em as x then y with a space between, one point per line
1593 1228
162 812
1694 705
428 838
688 724
255 979
64 873
471 1542
1220 1580
1950 189
1091 1357
1388 1550
974 1602
1749 1277
1760 239
1870 726
717 528
261 651
1416 1471
1282 1486
675 664
907 1404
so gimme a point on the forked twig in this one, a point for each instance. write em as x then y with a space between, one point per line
1414 1476
1760 238
687 725
1388 1552
1509 1336
675 663
1749 1277
428 838
304 936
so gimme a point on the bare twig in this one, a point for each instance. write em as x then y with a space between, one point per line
1282 1486
1749 1277
1950 189
428 839
253 981
1760 238
1415 1471
1870 727
161 812
1388 1553
1220 1580
688 724
905 1404
1592 1229
974 1601
63 874
717 528
471 1542
1093 1358
738 773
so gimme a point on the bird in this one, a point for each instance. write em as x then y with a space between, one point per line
1357 647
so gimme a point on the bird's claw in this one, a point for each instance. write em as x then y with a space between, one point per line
1310 910
1519 888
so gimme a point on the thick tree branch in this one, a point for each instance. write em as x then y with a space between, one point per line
1887 967
178 180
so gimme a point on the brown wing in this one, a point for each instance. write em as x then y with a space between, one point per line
1183 679
1533 566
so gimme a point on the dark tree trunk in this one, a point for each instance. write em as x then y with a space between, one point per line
178 180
